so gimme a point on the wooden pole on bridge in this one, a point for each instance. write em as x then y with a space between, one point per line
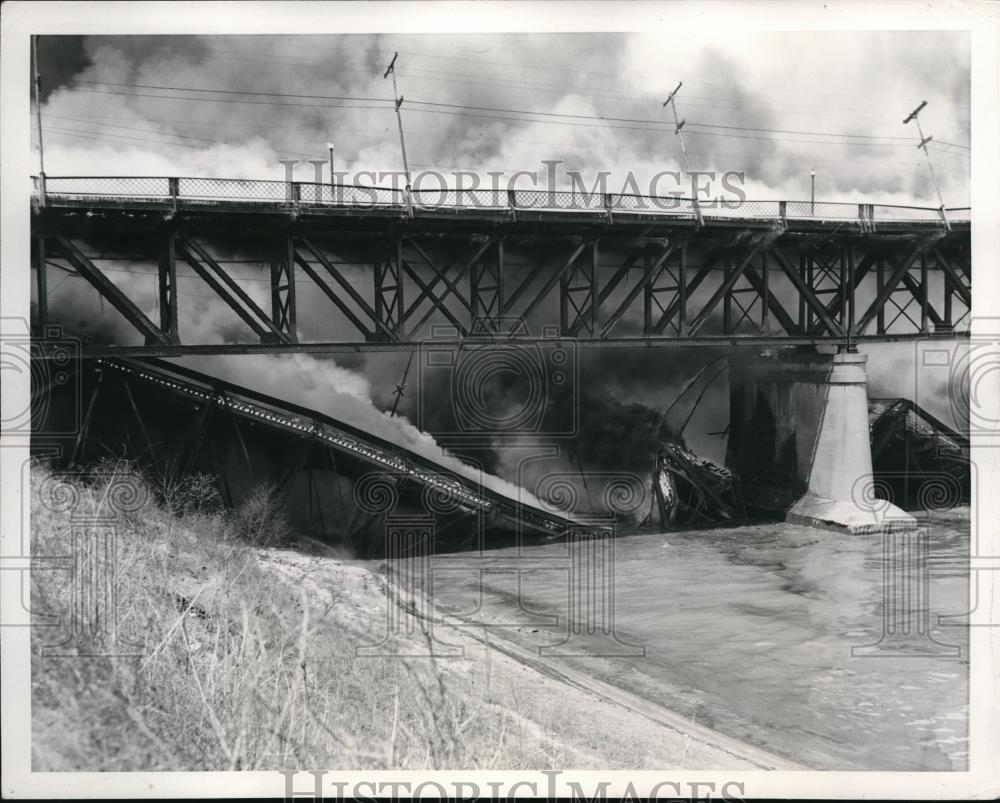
915 116
38 119
678 125
398 100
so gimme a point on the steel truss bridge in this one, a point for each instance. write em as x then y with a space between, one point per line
174 421
394 268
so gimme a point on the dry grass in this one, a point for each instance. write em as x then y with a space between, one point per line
234 667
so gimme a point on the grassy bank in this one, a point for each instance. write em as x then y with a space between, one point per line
226 645
235 666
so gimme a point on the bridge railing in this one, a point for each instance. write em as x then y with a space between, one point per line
822 210
139 187
459 199
897 213
766 210
311 194
210 189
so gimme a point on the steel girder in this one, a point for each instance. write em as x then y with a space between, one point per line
388 288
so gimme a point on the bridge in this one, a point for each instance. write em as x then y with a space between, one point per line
397 270
396 267
340 482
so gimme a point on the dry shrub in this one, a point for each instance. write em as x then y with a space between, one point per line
190 493
261 518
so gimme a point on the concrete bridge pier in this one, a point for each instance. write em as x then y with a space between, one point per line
799 440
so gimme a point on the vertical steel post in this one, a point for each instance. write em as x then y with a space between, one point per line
499 282
727 300
850 299
879 285
803 315
647 297
682 290
924 293
948 292
168 288
842 289
810 276
594 291
765 309
41 281
283 288
564 286
400 308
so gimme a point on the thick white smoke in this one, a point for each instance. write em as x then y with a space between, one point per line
766 94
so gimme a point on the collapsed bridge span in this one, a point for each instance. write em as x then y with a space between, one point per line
339 482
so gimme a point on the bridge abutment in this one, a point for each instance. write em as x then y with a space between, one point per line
799 440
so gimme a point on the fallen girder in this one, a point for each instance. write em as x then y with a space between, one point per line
176 421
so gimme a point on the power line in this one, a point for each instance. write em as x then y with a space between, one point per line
659 129
576 71
237 100
112 137
479 136
693 100
97 136
104 124
228 91
647 121
618 94
115 137
787 131
500 110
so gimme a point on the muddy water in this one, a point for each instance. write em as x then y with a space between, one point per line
760 632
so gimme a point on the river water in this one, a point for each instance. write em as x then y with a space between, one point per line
772 633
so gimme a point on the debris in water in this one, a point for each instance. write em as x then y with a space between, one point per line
690 489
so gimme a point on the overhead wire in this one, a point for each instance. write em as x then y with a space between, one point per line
468 109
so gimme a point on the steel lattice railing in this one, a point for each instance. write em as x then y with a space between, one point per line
477 199
210 189
885 212
821 210
749 209
310 194
346 195
102 187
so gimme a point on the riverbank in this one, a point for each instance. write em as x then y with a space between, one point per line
221 650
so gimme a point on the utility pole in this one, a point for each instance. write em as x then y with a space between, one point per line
678 125
915 115
401 387
812 202
38 119
398 100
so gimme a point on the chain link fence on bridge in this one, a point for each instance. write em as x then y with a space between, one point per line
213 189
821 210
312 194
107 187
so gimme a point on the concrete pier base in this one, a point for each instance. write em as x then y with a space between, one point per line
800 443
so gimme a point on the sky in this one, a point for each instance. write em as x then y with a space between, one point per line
773 106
